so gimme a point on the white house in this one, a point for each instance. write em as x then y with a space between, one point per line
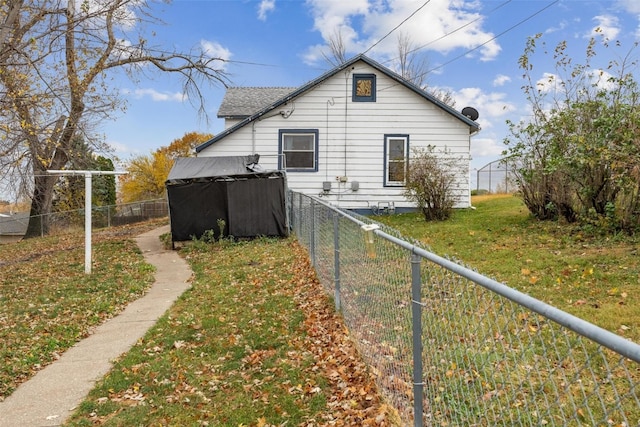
345 136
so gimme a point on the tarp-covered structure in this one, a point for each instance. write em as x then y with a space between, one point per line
205 192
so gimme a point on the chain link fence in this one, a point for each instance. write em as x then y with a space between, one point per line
15 225
498 176
450 347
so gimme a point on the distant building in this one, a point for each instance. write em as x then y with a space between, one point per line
13 226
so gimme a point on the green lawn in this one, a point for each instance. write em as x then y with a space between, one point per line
488 360
591 276
254 342
48 303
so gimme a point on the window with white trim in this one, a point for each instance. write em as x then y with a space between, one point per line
299 150
396 159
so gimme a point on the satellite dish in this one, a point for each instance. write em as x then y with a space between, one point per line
470 113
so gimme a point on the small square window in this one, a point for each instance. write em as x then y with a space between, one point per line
364 88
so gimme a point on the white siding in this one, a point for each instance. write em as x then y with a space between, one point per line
363 125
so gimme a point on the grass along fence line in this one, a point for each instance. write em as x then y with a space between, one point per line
254 342
487 360
501 225
591 276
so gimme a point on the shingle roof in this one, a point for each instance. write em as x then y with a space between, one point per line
241 102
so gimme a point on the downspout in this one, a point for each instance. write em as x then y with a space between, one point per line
330 102
253 137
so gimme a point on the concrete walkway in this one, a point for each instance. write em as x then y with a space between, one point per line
50 397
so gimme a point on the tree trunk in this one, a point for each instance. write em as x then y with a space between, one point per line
40 218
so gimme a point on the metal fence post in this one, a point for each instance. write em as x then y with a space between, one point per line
416 311
336 258
312 233
298 215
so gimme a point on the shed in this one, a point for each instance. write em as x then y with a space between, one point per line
13 226
205 191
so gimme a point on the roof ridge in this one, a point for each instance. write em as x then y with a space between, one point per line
262 87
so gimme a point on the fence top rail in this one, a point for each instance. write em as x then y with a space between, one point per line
580 326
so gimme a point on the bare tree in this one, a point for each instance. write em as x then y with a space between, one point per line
414 68
410 66
337 49
56 57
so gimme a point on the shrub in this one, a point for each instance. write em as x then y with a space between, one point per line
431 181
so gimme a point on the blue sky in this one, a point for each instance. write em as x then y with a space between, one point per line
471 48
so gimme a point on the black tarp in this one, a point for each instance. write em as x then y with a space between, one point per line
203 191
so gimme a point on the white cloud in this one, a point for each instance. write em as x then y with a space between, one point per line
607 26
549 83
121 149
215 50
155 95
265 7
490 106
486 147
631 6
602 80
370 20
501 79
332 17
561 26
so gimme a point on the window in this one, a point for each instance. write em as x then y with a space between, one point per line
299 150
396 157
364 88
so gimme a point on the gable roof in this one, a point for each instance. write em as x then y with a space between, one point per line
241 102
473 126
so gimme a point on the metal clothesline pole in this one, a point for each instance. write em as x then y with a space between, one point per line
88 177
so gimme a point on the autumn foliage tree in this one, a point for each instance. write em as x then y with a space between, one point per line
146 175
56 60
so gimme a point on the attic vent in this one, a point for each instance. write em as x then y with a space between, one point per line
470 113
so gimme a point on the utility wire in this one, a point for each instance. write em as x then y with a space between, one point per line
397 26
492 38
461 27
452 32
486 42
